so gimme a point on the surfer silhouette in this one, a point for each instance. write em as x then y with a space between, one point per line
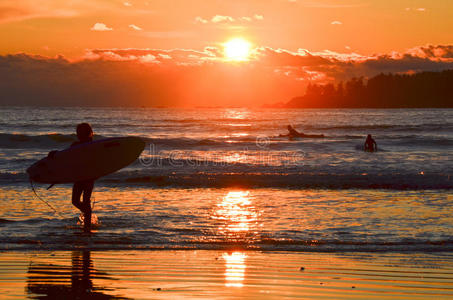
370 144
85 187
293 133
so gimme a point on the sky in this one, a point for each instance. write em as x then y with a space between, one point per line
175 52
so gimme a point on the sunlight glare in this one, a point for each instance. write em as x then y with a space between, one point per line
238 213
237 49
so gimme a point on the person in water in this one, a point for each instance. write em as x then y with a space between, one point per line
370 144
85 187
293 133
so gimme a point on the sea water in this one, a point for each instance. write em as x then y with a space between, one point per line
225 179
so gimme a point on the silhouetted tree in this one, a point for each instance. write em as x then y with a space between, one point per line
425 89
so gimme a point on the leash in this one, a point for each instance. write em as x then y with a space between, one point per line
47 203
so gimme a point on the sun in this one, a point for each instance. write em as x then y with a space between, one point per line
237 49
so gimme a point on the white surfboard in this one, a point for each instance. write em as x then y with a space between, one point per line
87 161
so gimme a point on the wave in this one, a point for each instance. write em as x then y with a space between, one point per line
292 181
28 141
386 127
160 241
52 140
210 120
424 141
236 177
56 140
5 221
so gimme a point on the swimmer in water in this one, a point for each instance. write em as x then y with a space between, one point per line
370 144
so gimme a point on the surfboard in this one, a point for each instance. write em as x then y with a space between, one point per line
87 161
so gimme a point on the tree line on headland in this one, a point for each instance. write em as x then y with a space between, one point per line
419 90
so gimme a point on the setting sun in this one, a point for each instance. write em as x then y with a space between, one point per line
237 49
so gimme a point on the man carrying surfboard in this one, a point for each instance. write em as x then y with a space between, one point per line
84 162
85 187
85 135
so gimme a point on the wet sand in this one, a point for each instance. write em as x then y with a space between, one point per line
224 275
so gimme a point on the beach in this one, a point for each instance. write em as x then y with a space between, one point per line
220 206
224 275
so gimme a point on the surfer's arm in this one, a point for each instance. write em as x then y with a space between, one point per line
53 152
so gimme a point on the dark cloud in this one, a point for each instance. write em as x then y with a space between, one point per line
433 51
385 64
278 57
180 77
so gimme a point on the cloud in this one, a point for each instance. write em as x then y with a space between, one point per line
172 56
304 65
335 66
135 27
324 4
228 19
165 56
148 58
180 77
201 20
100 27
219 19
419 9
437 52
248 19
336 23
259 17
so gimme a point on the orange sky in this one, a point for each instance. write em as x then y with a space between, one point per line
300 40
51 27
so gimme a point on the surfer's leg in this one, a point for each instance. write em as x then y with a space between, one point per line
87 190
77 190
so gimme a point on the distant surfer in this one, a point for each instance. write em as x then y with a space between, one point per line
370 144
85 187
293 133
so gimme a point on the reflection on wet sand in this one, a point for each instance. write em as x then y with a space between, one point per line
212 274
234 269
51 281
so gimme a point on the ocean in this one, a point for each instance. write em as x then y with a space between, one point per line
222 179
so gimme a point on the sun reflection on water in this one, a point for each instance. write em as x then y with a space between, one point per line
237 213
235 157
234 269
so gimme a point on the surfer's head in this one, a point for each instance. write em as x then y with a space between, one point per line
84 132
